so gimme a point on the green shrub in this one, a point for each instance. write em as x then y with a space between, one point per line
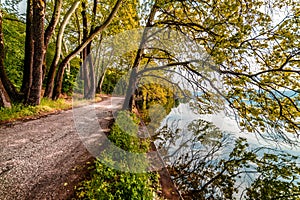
109 183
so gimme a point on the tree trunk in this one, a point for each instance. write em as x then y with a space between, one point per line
27 71
88 67
98 29
4 98
34 97
92 89
50 30
52 70
91 76
133 80
79 42
100 83
85 61
53 23
129 95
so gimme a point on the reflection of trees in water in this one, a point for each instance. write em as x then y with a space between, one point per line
192 152
206 163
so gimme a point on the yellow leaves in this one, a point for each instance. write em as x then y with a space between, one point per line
41 4
254 111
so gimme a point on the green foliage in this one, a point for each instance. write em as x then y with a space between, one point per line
112 77
50 55
252 51
157 93
278 178
18 111
154 100
109 183
14 39
69 80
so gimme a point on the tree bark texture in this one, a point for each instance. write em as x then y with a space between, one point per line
34 97
27 71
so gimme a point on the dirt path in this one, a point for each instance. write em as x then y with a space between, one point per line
45 158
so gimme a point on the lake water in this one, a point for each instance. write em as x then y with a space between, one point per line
183 140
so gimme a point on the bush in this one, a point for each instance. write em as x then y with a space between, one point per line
109 183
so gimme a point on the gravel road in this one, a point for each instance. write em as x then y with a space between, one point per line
45 158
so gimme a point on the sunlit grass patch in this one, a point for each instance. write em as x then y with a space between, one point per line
18 111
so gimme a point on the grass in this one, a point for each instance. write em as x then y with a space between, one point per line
19 111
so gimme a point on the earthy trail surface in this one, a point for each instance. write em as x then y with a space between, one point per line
45 158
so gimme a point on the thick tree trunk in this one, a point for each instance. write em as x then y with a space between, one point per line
27 71
91 77
88 67
52 70
34 97
85 61
92 84
98 29
89 74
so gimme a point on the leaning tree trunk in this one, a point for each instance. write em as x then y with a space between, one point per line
66 60
133 80
52 70
50 29
4 98
34 97
54 21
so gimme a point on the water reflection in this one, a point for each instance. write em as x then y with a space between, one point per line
206 162
191 152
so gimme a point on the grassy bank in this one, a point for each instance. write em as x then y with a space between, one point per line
19 111
112 177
